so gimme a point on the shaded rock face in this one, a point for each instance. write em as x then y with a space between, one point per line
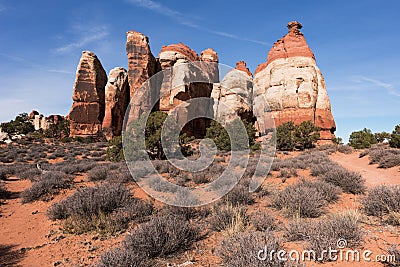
176 90
141 66
39 121
32 114
87 111
234 93
293 85
116 102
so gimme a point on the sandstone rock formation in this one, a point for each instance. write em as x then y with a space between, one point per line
32 114
182 82
141 66
289 82
234 94
41 122
117 100
87 111
292 85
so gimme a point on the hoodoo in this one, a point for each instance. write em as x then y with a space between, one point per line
87 112
293 86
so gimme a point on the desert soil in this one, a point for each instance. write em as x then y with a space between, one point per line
29 238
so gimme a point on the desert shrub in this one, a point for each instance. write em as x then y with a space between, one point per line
98 173
325 233
7 170
385 158
395 137
287 173
330 192
200 178
121 175
188 213
239 195
285 137
276 164
97 154
162 166
298 229
162 236
91 200
345 149
321 169
225 216
362 139
348 181
59 153
160 185
114 150
76 167
241 250
363 153
50 183
389 161
4 193
263 221
221 138
32 174
382 200
302 136
393 218
122 257
300 200
395 251
106 209
50 156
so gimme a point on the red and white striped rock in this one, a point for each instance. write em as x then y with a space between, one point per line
292 85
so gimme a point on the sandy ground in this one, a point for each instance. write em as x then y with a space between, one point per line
370 173
29 238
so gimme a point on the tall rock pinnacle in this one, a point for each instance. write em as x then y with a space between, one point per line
293 85
87 112
141 66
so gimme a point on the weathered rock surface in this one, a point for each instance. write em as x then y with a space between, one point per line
182 82
141 66
292 85
234 94
87 112
116 102
32 114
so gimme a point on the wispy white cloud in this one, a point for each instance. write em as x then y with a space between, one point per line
21 60
86 36
186 21
34 65
60 71
2 8
388 86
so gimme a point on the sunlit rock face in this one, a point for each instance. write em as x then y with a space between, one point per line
116 102
87 112
293 86
233 96
187 76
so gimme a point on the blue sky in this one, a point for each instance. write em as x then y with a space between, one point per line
355 44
